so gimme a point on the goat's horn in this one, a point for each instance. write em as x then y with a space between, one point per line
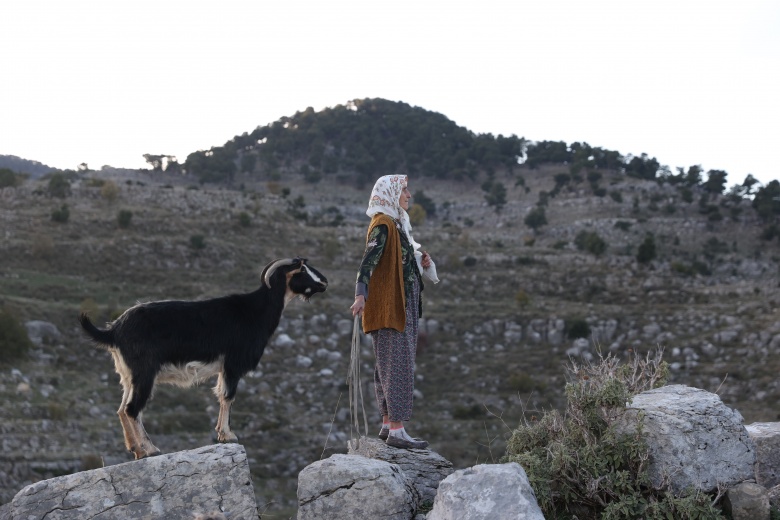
269 270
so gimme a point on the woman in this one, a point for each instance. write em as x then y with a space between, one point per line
387 295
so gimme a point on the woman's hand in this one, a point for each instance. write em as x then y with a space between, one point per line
357 307
426 259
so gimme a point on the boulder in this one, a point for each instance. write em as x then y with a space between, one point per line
766 437
747 501
178 485
42 331
693 438
774 497
351 486
486 492
425 468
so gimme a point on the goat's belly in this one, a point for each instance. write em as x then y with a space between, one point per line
193 373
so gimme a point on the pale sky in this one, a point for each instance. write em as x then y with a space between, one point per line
104 82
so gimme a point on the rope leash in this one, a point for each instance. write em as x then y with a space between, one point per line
353 380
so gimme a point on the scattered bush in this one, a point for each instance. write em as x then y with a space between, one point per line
197 242
623 225
590 242
523 383
426 202
536 218
123 218
109 191
14 342
244 220
417 215
7 178
61 215
469 261
464 412
577 328
616 196
58 186
522 298
646 253
580 466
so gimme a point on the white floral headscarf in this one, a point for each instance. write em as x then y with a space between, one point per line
384 199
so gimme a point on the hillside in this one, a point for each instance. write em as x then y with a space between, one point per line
624 258
499 327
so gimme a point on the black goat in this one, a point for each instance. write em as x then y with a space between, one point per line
187 342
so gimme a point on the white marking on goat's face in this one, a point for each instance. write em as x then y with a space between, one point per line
313 276
193 373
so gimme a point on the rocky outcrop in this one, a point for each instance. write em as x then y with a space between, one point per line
207 480
486 492
693 438
425 468
766 437
351 486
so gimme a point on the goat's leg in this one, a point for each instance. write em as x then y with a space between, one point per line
142 390
125 379
223 421
128 425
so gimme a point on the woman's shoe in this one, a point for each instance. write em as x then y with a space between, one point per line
384 433
398 442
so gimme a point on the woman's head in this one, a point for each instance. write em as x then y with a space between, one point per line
389 196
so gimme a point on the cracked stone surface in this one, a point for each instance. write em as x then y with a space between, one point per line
178 485
425 468
351 486
694 439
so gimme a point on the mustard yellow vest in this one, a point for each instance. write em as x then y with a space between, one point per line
386 305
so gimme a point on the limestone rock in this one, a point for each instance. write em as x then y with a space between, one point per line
425 468
694 439
486 492
747 501
766 437
350 486
774 497
179 485
39 331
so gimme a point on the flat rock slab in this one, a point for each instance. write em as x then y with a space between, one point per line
178 485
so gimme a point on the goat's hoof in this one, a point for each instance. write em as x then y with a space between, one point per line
142 454
226 438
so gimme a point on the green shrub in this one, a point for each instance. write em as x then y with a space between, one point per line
616 196
577 328
124 217
7 178
581 466
197 242
523 383
14 342
469 261
61 215
465 412
244 220
590 242
646 253
623 225
522 298
59 186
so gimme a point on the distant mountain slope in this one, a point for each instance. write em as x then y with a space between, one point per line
34 168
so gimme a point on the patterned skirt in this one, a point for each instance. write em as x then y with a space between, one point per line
395 353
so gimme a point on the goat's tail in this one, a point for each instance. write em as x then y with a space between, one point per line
102 337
